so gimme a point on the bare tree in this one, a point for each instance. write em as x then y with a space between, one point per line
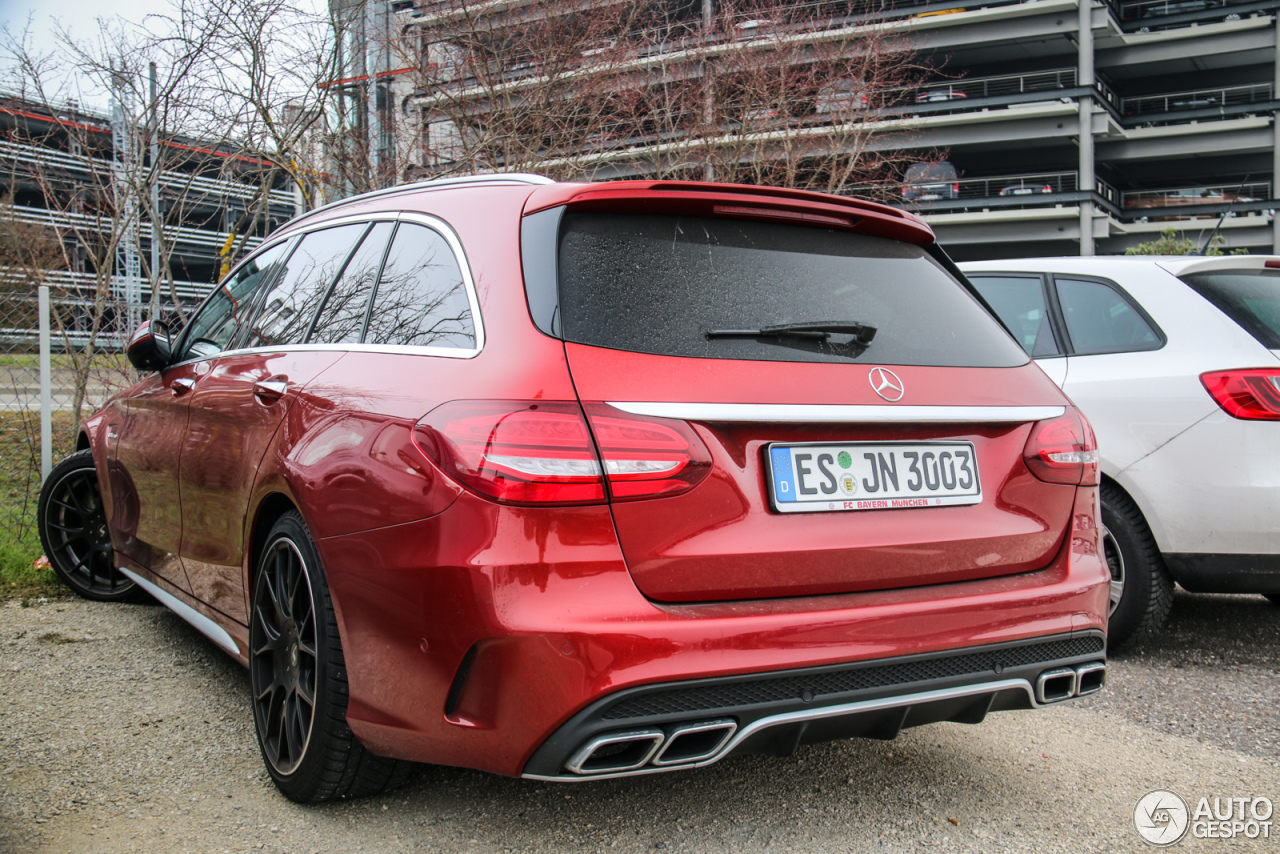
215 106
800 95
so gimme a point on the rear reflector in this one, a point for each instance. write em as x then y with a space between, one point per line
1063 450
1250 394
542 452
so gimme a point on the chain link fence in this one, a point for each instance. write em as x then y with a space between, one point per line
86 367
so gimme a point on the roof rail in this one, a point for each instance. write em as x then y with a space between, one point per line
432 184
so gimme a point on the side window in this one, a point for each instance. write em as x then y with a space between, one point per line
342 319
228 307
285 311
1101 320
1020 302
421 299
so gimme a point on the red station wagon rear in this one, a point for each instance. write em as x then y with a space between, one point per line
575 481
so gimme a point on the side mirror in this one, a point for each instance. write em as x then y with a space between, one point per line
148 347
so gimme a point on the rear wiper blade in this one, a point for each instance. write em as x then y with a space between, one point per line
820 329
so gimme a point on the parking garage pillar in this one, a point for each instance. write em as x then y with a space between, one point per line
1084 77
1275 146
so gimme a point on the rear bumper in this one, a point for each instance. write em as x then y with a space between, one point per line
1229 573
691 724
473 638
1214 489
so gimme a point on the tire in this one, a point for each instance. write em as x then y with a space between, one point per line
297 674
74 533
1141 607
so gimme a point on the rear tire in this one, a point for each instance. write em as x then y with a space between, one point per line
297 674
1147 594
73 530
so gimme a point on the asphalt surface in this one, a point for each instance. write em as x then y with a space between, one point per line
124 730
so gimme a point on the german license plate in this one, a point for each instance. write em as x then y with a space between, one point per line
813 478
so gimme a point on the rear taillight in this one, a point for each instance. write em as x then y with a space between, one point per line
646 457
1063 450
542 452
955 188
1251 394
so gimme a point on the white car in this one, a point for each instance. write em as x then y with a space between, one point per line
1176 362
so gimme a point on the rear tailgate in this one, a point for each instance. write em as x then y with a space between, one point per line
843 417
725 540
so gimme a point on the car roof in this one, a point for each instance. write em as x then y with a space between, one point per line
1178 265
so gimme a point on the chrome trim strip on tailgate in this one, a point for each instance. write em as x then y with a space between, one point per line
836 413
207 627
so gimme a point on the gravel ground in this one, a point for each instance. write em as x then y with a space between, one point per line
124 730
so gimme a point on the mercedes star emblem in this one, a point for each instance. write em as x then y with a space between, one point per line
886 384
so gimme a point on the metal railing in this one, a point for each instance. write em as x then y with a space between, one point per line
1196 99
1037 189
993 87
173 234
35 158
1166 203
1145 10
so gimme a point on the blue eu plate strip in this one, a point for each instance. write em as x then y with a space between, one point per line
783 477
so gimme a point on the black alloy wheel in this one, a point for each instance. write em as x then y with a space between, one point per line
73 530
284 658
298 677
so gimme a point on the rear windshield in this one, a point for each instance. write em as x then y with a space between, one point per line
1249 297
661 284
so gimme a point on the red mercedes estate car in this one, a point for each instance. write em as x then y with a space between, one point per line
576 481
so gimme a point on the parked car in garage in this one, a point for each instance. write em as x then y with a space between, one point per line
926 182
578 481
1176 362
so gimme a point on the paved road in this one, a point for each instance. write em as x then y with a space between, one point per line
123 730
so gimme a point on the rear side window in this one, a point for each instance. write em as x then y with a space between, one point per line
421 298
1020 303
341 320
1249 297
291 303
1102 320
659 284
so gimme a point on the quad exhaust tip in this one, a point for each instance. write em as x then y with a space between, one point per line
613 753
1063 683
695 742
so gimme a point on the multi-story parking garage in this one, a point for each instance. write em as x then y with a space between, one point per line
61 173
1074 128
1089 129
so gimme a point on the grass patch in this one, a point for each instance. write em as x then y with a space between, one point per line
19 491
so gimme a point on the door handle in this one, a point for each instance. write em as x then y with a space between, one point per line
269 391
181 386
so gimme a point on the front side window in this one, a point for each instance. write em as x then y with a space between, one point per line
421 298
288 307
227 309
1020 303
1100 320
700 287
